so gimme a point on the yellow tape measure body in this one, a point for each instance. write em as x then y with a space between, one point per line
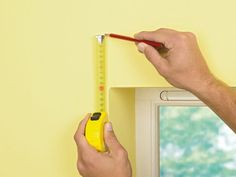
95 125
95 130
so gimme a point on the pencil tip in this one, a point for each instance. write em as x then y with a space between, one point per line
107 34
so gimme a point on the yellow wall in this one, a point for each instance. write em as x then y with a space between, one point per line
46 70
122 115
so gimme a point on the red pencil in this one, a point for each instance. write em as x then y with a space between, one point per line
157 45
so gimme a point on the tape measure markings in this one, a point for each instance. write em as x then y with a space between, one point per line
100 74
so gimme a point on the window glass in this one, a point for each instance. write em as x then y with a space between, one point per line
194 142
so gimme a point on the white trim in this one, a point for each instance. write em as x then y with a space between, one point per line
147 101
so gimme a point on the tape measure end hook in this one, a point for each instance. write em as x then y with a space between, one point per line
100 38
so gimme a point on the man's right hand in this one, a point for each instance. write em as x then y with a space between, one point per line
183 65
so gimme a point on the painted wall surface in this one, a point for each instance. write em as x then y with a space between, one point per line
46 70
122 116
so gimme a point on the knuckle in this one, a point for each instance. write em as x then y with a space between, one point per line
79 141
191 35
81 145
76 136
125 153
147 52
162 29
141 33
185 36
163 71
85 157
110 139
80 123
80 167
182 36
166 31
122 153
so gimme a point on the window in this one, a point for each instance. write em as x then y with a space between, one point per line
181 137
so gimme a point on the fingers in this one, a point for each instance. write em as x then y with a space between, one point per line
82 145
150 35
81 128
162 35
153 56
110 139
82 124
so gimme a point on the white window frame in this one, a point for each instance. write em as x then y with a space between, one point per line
147 101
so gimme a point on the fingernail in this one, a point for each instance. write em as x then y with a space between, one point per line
141 46
108 126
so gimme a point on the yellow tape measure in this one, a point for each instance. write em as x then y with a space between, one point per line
94 131
95 125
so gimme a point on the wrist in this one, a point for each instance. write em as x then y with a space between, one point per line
204 86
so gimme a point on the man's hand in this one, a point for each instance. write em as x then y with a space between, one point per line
183 65
91 163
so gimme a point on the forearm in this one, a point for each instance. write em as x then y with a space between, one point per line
221 99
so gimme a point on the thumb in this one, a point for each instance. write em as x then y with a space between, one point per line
152 55
110 138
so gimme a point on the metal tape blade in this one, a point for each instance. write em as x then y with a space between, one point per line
100 74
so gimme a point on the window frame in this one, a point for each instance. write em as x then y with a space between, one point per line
147 102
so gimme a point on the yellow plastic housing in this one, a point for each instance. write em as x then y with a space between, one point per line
94 131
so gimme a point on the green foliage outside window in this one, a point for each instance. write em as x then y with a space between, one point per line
194 142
